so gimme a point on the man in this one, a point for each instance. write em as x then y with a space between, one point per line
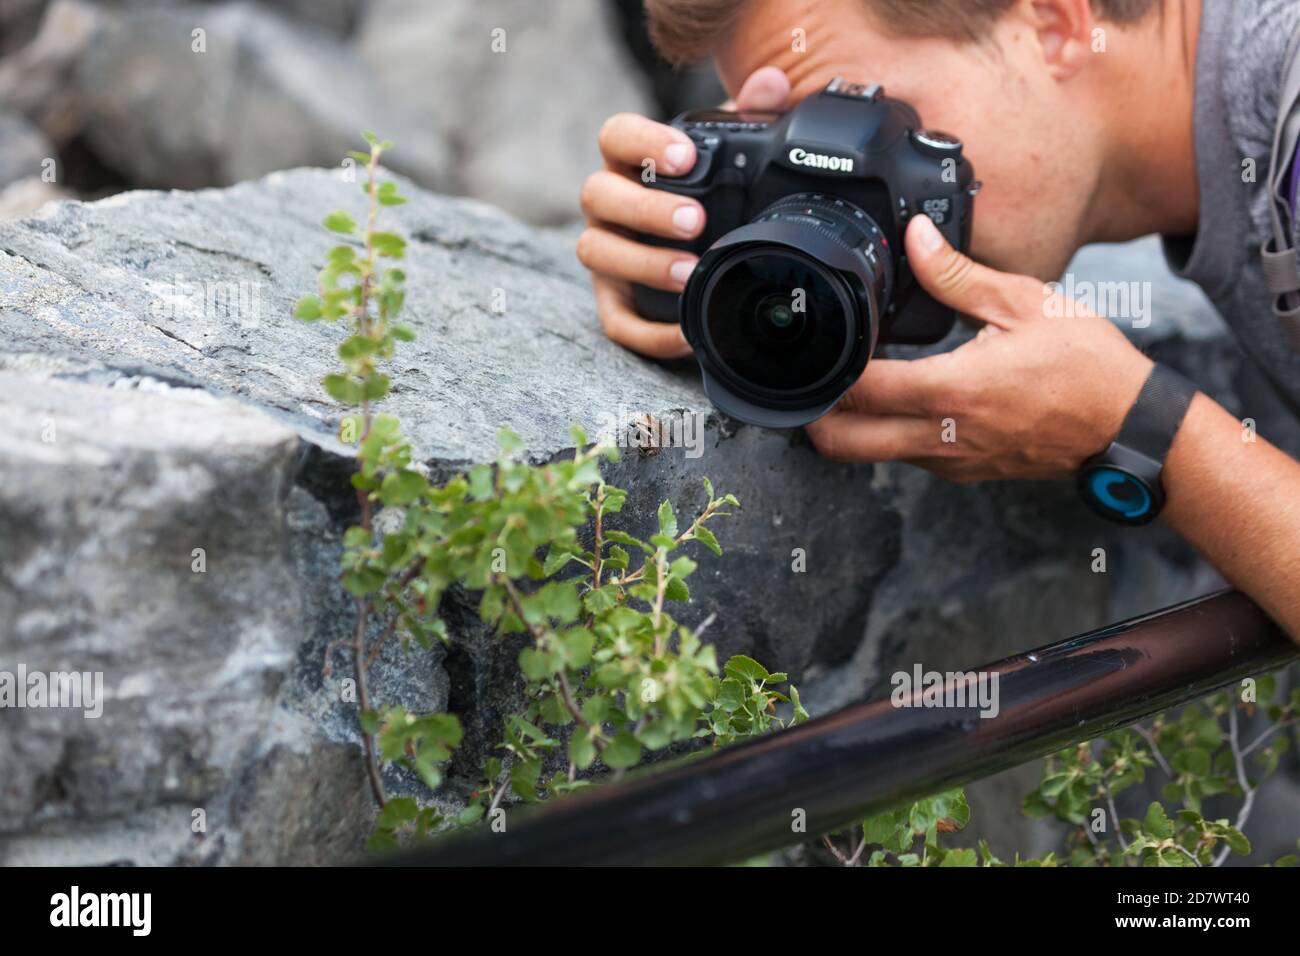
1086 122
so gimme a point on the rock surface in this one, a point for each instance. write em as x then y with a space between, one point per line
152 329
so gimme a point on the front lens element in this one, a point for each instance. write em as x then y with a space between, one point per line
777 320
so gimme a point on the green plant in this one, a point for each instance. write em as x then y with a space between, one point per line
1199 753
605 666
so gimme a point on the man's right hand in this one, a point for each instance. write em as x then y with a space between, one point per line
616 203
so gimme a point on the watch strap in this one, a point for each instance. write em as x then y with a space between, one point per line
1158 413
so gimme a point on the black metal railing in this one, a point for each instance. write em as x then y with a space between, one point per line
834 770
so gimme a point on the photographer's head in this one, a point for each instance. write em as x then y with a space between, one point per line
1061 103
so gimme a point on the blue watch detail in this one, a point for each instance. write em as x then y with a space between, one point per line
1119 492
1123 484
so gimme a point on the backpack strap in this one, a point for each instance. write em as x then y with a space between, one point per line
1279 252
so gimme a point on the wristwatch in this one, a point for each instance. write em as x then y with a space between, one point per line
1122 484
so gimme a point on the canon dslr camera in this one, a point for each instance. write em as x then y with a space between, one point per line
801 270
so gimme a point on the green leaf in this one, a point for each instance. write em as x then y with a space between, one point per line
1236 840
577 643
706 538
745 669
957 857
388 244
667 520
595 709
621 752
889 829
308 308
523 778
387 194
683 567
555 560
509 443
622 537
581 750
343 388
340 221
1157 822
535 664
471 814
404 333
676 590
397 810
375 386
358 346
402 487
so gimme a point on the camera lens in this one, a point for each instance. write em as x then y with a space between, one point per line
777 321
783 311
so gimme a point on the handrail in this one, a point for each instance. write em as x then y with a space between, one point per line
739 802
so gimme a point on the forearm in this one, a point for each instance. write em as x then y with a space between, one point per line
1238 503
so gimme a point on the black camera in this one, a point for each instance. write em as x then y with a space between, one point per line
801 270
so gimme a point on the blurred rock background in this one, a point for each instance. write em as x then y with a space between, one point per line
496 99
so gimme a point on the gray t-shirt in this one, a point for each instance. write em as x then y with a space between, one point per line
1238 81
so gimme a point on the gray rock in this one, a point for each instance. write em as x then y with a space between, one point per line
107 300
520 89
18 22
38 79
25 149
27 196
189 96
339 17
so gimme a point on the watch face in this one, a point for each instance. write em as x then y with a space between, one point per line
1118 495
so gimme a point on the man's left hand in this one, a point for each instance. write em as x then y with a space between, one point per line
1044 386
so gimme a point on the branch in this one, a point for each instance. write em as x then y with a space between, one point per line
363 702
1248 792
566 692
1150 738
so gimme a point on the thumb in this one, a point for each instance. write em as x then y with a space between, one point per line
768 88
955 279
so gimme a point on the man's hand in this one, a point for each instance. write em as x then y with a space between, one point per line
616 203
1045 385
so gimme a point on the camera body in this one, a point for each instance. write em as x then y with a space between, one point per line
822 196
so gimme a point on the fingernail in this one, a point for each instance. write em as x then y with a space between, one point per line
682 336
681 270
686 219
931 238
678 156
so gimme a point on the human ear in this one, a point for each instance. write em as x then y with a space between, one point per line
1065 30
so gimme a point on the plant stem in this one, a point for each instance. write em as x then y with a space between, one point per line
363 702
1247 791
566 692
359 659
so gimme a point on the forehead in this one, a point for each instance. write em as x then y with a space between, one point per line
814 40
